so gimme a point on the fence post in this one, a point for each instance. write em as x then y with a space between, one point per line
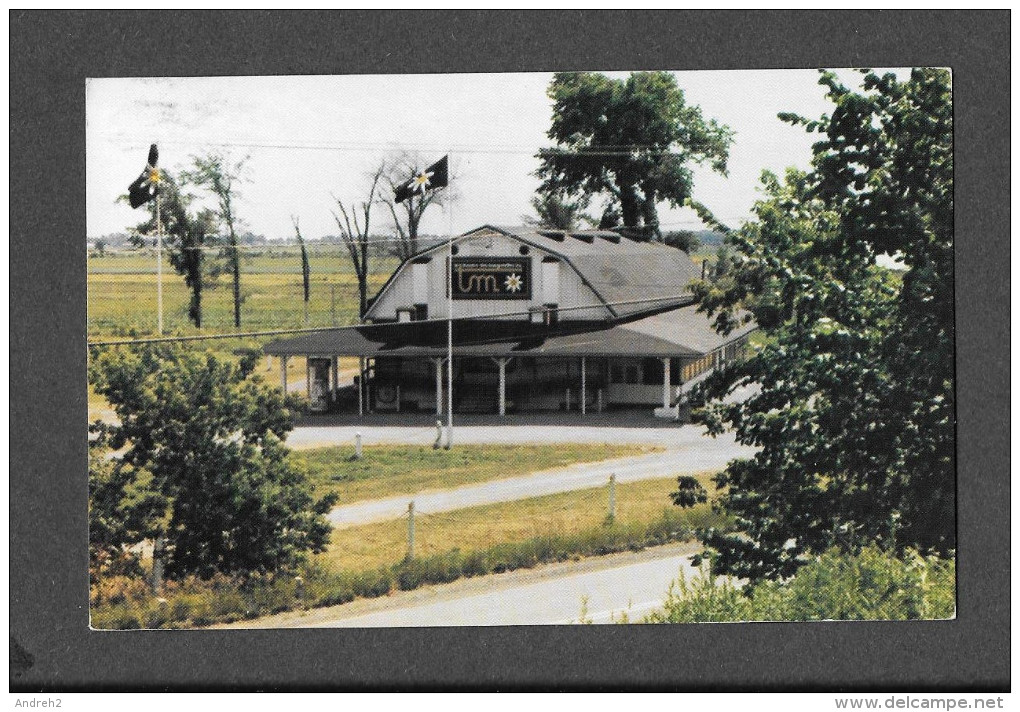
410 530
357 446
612 498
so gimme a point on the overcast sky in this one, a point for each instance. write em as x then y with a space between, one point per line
310 137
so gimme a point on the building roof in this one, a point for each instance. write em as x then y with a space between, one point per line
678 332
630 277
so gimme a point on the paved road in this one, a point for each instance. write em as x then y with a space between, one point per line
627 427
631 583
705 454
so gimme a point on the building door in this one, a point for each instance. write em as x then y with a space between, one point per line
318 384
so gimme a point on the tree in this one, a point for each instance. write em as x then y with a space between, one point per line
634 139
407 214
186 235
203 473
557 212
305 271
220 175
854 419
355 236
682 240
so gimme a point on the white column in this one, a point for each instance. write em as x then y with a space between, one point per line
283 374
361 385
336 374
502 385
584 387
665 383
439 385
308 378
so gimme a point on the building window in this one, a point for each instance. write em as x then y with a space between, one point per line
652 371
615 372
633 373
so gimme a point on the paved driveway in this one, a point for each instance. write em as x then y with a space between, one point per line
707 454
631 583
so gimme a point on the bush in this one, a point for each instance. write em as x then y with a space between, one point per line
872 585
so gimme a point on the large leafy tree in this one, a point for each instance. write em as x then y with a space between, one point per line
632 140
187 234
203 473
221 175
557 212
854 419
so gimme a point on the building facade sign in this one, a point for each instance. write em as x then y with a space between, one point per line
491 278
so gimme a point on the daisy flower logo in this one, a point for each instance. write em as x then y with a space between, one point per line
420 183
513 283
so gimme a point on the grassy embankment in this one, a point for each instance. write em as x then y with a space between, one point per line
370 560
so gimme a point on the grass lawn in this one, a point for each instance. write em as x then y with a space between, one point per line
387 470
385 543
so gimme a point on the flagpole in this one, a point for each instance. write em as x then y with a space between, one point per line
449 331
159 266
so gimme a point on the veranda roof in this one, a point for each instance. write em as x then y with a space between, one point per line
679 332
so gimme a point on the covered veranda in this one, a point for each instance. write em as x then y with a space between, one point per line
650 361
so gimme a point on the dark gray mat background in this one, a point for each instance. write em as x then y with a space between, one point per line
51 54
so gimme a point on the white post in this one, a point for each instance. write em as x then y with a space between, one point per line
439 385
336 374
584 387
612 497
665 383
283 374
159 266
308 377
449 331
357 446
410 530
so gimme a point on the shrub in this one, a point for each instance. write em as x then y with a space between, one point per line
872 585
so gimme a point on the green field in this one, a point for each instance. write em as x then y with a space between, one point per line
387 470
122 292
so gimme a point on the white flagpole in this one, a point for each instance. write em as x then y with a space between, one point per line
159 265
449 327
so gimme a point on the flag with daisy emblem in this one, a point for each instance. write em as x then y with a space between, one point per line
435 176
146 185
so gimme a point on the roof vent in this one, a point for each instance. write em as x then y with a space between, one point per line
583 237
610 237
558 236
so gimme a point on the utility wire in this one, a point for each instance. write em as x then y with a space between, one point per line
391 240
355 146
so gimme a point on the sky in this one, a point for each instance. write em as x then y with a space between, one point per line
309 139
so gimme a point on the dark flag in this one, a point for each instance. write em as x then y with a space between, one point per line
146 185
435 176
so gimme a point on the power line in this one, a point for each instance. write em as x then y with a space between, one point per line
388 240
620 150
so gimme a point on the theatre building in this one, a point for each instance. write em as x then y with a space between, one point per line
542 320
